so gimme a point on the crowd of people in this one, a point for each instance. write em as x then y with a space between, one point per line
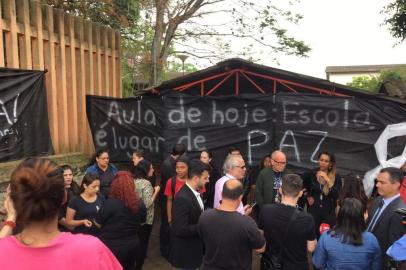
209 218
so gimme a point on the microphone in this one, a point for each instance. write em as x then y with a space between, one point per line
324 227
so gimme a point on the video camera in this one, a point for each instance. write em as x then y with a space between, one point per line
402 212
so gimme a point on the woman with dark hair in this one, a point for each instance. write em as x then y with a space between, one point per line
120 219
37 192
138 155
323 186
352 188
148 194
348 245
72 190
103 169
83 208
175 183
206 156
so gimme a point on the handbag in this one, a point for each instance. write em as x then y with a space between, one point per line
274 261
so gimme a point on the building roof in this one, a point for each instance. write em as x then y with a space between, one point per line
362 68
237 76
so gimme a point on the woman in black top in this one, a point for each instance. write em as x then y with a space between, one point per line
72 189
83 208
323 186
206 156
120 219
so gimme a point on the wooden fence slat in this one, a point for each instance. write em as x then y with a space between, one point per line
2 63
11 36
120 87
52 93
90 42
113 66
106 61
82 90
27 34
99 64
73 124
38 51
63 100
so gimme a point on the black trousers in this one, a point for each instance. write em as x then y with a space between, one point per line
164 232
143 234
125 250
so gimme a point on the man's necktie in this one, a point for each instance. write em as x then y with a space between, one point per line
371 224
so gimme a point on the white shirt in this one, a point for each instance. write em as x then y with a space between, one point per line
197 194
218 193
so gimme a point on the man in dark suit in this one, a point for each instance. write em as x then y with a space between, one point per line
167 171
383 221
186 248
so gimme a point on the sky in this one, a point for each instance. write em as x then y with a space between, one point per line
343 32
340 32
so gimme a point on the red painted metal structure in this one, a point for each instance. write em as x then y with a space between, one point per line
237 76
236 73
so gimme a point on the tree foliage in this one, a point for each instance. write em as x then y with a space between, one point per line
370 83
118 14
206 29
373 83
396 19
154 30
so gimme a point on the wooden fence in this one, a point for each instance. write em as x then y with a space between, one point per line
80 58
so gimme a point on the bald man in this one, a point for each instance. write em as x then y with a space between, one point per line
270 180
229 244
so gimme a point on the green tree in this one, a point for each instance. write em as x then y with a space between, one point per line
124 16
370 83
152 30
396 19
373 83
187 23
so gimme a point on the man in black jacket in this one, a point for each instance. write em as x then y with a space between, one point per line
383 221
186 248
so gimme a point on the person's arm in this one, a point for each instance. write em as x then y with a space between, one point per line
149 194
397 229
311 245
180 223
377 257
331 188
255 236
218 188
261 250
156 192
110 207
70 221
11 217
62 222
308 185
320 255
311 236
169 201
258 189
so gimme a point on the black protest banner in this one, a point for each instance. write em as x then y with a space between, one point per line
218 123
347 127
124 125
23 115
300 125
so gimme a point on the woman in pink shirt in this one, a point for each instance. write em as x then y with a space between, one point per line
37 192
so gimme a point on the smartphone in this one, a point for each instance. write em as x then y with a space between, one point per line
252 204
